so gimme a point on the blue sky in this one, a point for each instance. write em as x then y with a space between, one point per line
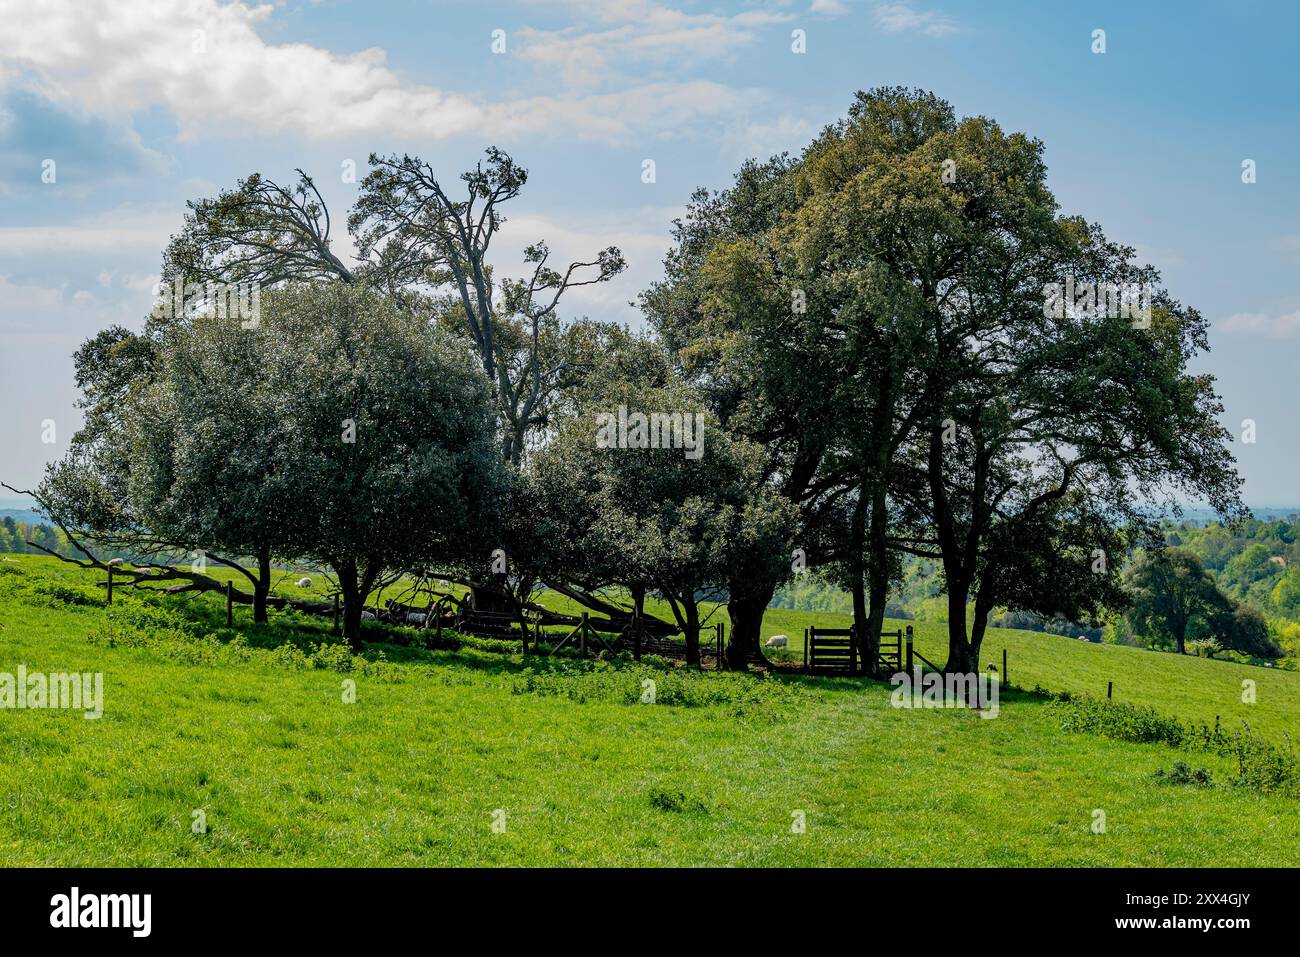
141 109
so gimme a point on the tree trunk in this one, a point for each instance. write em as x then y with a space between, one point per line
262 587
350 586
959 649
746 611
692 631
857 574
877 580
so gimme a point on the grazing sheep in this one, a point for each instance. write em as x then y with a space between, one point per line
303 582
115 562
367 616
415 618
778 641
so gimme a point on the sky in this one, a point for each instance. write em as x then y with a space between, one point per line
132 108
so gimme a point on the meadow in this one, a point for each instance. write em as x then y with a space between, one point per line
469 756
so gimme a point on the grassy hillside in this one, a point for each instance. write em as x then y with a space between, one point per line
437 741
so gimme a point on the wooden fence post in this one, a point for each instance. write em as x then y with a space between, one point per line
336 613
1110 687
110 584
909 651
230 604
1004 668
636 636
721 634
582 637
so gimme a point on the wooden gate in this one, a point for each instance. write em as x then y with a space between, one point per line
830 651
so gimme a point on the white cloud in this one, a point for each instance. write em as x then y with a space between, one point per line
829 8
206 62
122 230
902 16
1280 326
641 33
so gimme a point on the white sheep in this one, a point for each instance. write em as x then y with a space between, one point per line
367 616
115 562
415 618
778 641
303 582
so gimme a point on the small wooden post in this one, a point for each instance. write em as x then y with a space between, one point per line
336 613
110 584
805 649
1110 687
1004 667
230 604
582 637
909 649
636 636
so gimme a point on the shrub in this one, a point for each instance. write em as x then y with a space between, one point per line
1261 765
1184 773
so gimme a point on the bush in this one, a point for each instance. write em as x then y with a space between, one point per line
1261 766
1184 773
1125 722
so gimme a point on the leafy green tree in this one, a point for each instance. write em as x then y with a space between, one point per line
386 437
1285 595
1171 591
426 246
1246 631
206 441
660 518
1043 426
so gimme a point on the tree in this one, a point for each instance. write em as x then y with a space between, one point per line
414 235
926 399
143 449
1040 423
205 441
657 517
1170 592
771 391
386 437
425 248
1247 632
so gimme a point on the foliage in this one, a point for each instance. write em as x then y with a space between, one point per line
1260 765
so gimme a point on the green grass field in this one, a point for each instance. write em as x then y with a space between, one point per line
440 744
